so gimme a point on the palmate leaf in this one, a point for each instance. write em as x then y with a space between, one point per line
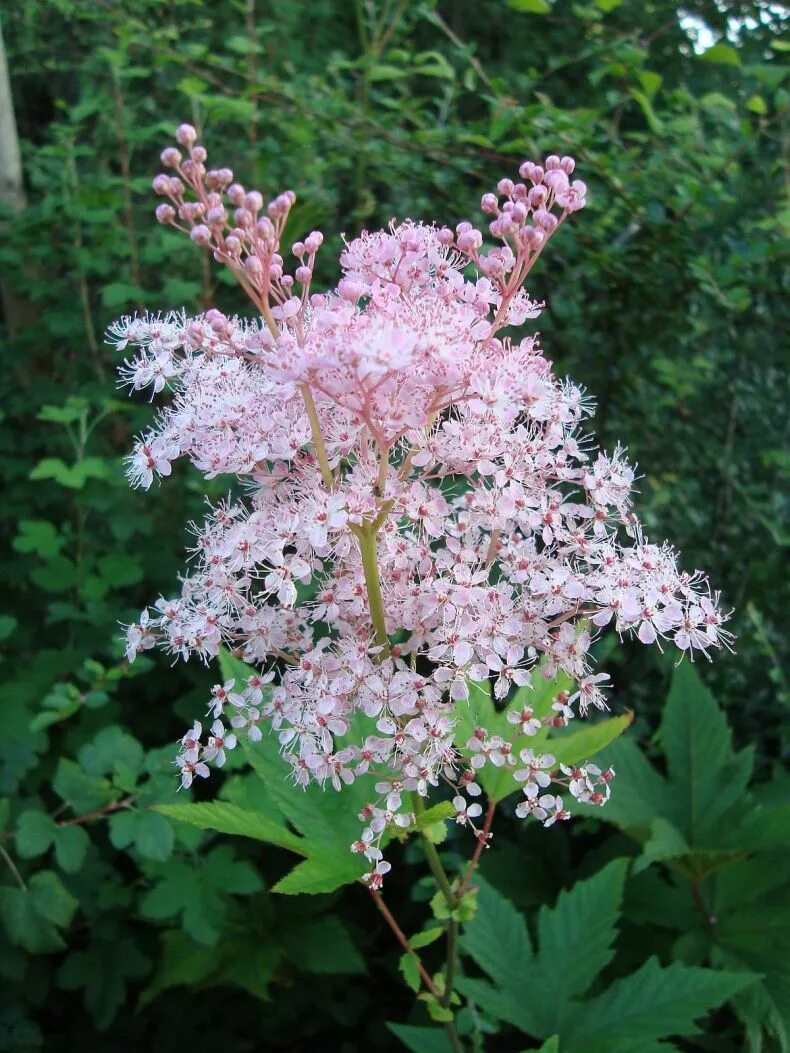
576 939
653 1003
706 776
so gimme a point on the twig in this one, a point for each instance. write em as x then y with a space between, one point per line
402 939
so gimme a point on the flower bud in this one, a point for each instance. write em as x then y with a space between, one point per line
489 203
170 157
552 162
537 196
199 154
242 218
445 236
236 194
265 227
185 135
161 184
232 245
201 235
176 187
303 275
313 242
253 202
253 267
567 164
505 187
165 213
216 216
298 249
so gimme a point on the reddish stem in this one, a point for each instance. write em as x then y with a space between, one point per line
482 842
400 936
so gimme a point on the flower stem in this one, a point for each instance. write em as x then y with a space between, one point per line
318 438
367 547
402 940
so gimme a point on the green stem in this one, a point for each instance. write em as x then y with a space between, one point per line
367 547
318 438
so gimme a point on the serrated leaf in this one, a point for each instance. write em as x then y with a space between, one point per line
409 966
230 819
151 834
576 938
33 916
83 792
652 1003
35 832
706 777
71 846
102 971
588 741
421 1039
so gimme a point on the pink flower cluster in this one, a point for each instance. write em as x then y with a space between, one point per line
421 509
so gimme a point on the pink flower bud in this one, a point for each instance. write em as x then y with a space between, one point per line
298 249
242 218
505 187
165 213
253 202
253 267
313 242
287 281
461 228
519 213
537 196
552 162
519 192
236 194
161 184
489 203
445 236
201 235
232 245
470 240
185 135
176 187
216 217
199 154
303 275
567 164
170 157
265 227
545 220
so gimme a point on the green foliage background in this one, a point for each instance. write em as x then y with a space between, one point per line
666 297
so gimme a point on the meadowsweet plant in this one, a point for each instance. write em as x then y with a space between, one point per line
419 513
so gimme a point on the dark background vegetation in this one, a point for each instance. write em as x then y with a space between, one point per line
666 298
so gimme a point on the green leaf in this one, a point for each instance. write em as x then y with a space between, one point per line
576 936
39 536
706 777
409 966
652 1003
552 1045
83 792
103 971
757 104
35 833
120 570
532 7
584 744
722 54
32 917
421 1039
71 846
197 891
151 834
56 575
113 749
497 939
230 819
664 843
